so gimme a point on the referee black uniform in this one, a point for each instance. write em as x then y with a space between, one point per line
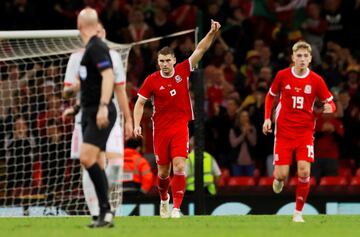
95 60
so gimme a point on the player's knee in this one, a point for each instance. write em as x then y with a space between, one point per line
179 167
303 172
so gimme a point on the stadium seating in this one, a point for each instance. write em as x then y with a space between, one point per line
345 172
293 181
333 181
266 181
355 181
241 181
224 177
357 174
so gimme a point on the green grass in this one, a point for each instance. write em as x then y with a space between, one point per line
187 226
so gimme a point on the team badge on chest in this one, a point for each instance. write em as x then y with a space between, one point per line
307 89
178 78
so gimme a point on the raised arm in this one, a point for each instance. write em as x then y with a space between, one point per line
204 44
138 113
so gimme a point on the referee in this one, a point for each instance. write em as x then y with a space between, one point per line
99 112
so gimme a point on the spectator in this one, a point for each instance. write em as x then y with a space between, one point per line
211 171
329 130
53 160
138 177
242 140
19 158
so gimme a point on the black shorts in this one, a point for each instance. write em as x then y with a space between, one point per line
91 133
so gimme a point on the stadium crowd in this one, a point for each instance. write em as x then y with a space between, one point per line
253 45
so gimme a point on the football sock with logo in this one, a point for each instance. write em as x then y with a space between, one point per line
302 191
178 188
163 187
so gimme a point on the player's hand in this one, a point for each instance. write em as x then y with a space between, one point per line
128 130
68 112
267 126
102 120
215 26
137 131
327 109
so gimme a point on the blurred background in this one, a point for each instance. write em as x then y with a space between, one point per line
254 43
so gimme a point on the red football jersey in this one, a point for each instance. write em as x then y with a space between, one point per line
170 96
294 115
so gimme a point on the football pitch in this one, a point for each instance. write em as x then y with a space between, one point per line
187 226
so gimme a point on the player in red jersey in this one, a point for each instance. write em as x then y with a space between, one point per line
297 88
169 91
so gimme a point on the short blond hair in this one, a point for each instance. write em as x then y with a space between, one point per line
301 45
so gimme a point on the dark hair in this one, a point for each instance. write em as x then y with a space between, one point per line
166 51
134 143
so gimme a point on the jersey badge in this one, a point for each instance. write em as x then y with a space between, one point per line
307 89
178 78
82 72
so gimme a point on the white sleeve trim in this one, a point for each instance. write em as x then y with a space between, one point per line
272 93
328 99
142 96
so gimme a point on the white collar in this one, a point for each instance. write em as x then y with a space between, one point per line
297 76
170 76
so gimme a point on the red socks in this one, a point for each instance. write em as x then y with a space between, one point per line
178 189
302 191
163 187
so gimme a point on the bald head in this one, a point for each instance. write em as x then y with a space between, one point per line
87 18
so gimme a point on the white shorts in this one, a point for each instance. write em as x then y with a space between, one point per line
115 142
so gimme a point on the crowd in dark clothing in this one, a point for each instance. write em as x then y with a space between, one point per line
254 43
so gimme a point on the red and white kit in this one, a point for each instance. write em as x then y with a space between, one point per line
294 116
172 111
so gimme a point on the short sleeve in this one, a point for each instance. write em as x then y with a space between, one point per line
145 90
118 67
322 91
101 57
185 66
275 85
72 68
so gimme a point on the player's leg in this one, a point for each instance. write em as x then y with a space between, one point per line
178 185
281 172
163 188
179 152
283 152
161 144
95 142
304 156
114 169
90 193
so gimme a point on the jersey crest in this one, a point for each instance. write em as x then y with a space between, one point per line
307 89
178 78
